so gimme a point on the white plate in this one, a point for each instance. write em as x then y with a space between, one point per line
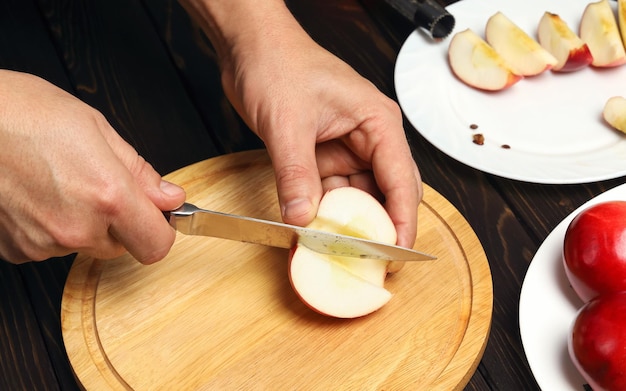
552 122
548 306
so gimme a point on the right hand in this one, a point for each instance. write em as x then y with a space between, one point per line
69 183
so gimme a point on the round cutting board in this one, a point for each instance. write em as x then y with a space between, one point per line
221 315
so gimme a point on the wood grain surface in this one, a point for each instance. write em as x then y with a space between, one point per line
219 314
154 77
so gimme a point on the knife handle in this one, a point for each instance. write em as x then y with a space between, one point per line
427 14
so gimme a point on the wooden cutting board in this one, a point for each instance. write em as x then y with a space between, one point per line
221 315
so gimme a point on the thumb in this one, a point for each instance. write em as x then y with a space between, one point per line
298 183
151 191
169 197
163 194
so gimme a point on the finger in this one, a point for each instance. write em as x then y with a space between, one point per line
402 205
143 231
365 181
106 249
42 247
361 180
165 195
336 158
333 182
339 166
394 169
399 180
138 223
297 180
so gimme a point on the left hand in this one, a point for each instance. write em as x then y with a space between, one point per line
324 126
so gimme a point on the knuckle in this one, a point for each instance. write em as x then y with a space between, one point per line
13 255
68 239
291 173
109 201
141 169
27 250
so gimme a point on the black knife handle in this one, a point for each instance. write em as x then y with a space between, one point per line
427 14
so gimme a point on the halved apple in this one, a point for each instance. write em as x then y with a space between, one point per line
571 52
614 112
598 28
340 286
477 64
525 55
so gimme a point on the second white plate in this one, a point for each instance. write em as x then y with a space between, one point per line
552 122
548 306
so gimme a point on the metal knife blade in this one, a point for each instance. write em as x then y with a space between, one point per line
192 220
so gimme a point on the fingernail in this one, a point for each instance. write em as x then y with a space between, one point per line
296 209
170 189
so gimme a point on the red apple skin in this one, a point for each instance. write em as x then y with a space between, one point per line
579 58
594 250
597 342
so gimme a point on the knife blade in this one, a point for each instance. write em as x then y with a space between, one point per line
191 220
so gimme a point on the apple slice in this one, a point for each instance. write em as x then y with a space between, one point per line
571 52
525 55
614 112
621 19
598 28
339 286
477 64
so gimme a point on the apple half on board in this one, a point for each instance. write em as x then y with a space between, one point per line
525 55
339 286
598 28
477 64
571 52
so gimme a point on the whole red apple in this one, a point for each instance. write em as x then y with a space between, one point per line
594 250
597 342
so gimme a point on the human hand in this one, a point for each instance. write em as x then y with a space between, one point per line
323 124
70 183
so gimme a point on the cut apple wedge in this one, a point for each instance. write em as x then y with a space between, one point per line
525 55
598 28
477 64
621 19
614 112
339 286
571 52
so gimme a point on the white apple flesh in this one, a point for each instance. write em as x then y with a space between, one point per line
614 112
571 52
598 28
338 286
477 64
525 55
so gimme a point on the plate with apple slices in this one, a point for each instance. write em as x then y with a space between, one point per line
222 315
548 307
546 127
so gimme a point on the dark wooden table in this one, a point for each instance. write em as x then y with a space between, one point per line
152 73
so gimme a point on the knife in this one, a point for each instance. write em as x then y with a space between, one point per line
191 220
427 14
